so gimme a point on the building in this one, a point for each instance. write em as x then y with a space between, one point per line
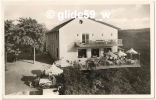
82 38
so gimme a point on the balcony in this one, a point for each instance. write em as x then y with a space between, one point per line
99 43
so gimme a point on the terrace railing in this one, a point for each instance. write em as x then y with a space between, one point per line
103 63
100 43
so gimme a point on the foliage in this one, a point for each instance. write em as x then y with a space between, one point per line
24 35
31 33
111 81
75 82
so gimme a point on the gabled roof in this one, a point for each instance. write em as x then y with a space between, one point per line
105 23
56 28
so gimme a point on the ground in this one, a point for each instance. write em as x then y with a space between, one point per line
17 73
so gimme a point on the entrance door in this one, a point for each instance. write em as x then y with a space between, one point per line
95 52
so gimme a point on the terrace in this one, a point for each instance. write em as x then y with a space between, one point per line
111 60
96 64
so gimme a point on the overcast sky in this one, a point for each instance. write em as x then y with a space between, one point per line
123 16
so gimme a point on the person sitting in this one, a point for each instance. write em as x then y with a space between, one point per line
43 74
50 76
30 84
60 90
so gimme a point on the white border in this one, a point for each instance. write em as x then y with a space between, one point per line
81 3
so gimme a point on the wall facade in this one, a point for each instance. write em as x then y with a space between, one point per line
72 32
53 44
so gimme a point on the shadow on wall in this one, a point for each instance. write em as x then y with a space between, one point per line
72 48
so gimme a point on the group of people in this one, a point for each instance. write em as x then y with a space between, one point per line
108 60
36 79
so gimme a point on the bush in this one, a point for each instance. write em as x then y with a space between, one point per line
107 81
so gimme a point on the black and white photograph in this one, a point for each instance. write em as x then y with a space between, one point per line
59 49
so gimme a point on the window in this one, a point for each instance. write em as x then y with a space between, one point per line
57 53
95 52
85 38
82 53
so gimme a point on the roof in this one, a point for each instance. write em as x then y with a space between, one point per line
56 28
105 23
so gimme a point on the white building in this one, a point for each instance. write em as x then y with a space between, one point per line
82 38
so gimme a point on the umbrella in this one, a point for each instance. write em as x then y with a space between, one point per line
132 51
54 70
121 54
111 54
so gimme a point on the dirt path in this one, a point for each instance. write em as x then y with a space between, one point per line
16 71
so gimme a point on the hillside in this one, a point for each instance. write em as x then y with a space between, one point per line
136 38
139 39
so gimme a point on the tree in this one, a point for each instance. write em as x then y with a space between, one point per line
26 34
10 39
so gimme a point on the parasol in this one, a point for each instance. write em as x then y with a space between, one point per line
54 70
121 54
132 51
111 54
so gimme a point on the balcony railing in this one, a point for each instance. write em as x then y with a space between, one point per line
100 43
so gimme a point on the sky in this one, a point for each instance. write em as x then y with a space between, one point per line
129 16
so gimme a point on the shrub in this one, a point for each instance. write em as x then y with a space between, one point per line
108 81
